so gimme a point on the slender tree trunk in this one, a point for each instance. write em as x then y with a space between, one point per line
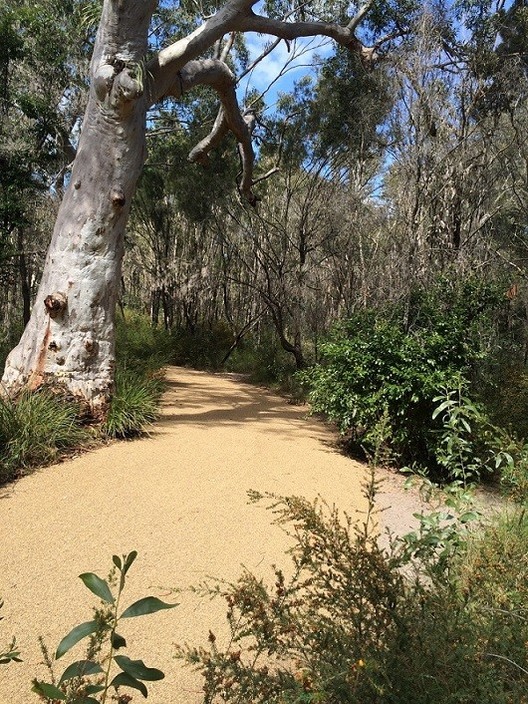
25 287
70 336
154 306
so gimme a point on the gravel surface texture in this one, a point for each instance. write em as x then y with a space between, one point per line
178 497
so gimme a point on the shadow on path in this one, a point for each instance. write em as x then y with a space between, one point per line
226 403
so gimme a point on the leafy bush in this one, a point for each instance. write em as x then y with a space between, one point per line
35 429
9 336
263 359
467 444
382 362
514 470
139 346
203 347
354 623
505 393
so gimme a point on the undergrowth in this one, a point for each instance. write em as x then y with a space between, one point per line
38 428
437 618
134 406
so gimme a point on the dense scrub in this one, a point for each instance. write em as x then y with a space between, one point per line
439 616
435 617
423 379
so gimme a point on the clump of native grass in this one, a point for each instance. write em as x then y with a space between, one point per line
134 406
40 427
142 352
36 429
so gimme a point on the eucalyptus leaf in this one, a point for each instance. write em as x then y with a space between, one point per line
138 669
74 636
117 641
48 690
80 668
125 680
129 560
147 605
94 688
98 586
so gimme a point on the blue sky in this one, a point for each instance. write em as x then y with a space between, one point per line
294 64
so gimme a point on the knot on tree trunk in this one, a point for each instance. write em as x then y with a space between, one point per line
118 197
55 304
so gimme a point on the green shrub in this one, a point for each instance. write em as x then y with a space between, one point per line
505 393
202 347
354 623
263 359
513 454
139 346
35 429
9 336
384 362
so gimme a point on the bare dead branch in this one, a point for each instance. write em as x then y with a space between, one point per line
227 48
360 16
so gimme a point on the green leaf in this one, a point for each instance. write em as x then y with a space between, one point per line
74 636
138 669
80 668
468 516
117 641
94 688
125 680
129 560
117 561
98 586
441 408
48 690
147 605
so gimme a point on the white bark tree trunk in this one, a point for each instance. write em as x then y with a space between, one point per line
70 337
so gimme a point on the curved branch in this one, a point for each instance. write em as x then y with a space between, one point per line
218 76
344 36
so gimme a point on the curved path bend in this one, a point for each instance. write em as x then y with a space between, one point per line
178 497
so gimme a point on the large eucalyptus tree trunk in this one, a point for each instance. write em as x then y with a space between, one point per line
69 339
70 336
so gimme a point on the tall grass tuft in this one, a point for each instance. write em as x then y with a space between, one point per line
39 427
35 430
134 406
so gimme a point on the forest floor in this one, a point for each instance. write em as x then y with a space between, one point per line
178 497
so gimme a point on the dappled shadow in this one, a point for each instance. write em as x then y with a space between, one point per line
219 400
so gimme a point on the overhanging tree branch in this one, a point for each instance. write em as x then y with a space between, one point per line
294 30
217 75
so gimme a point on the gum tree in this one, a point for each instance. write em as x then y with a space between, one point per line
70 337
